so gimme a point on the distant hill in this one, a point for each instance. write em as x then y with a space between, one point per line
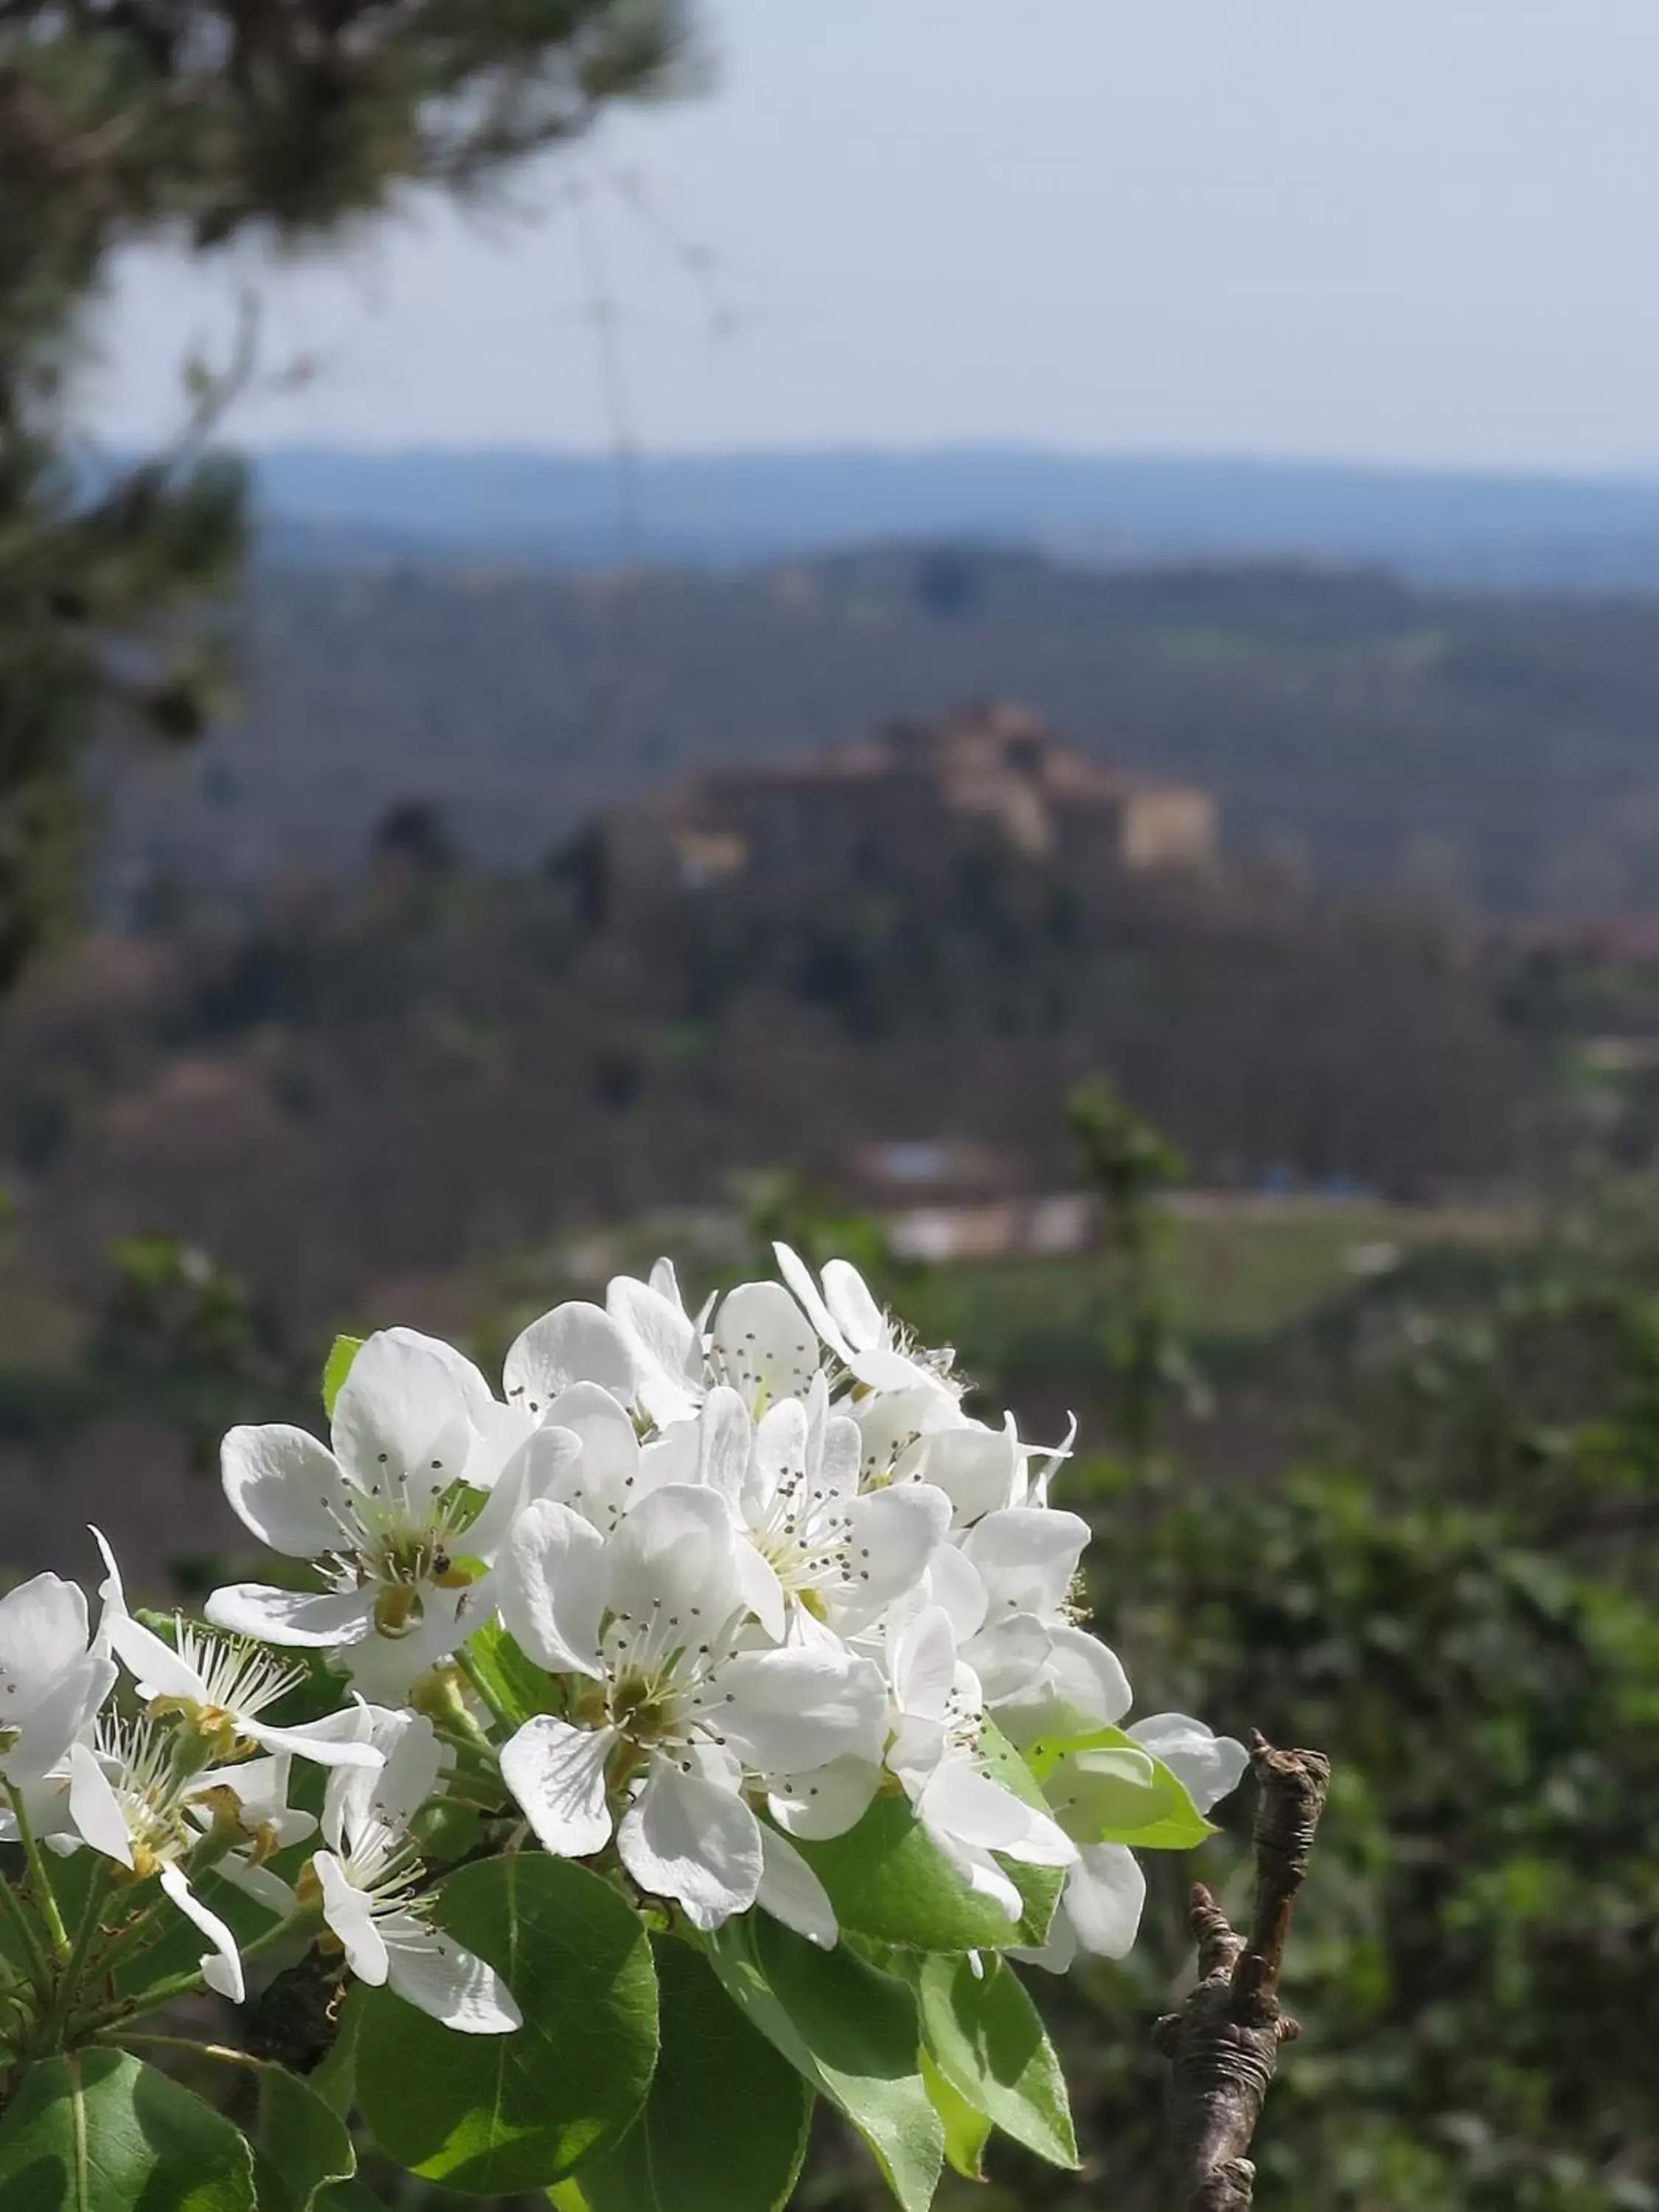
737 509
1467 749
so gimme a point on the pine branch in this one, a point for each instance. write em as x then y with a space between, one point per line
1224 2044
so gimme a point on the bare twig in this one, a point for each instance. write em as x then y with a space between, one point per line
1223 2045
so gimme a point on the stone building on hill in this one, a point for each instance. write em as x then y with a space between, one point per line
908 800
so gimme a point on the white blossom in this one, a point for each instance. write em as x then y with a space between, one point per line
813 1549
53 1677
403 1515
219 1685
130 1799
371 1886
671 1712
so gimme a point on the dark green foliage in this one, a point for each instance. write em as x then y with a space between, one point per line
1132 1169
1353 730
1457 1607
362 1053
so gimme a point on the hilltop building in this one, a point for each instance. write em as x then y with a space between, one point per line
906 799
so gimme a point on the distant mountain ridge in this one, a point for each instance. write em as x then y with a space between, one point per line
322 507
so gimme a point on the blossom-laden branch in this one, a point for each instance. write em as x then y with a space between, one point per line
1223 2045
720 1606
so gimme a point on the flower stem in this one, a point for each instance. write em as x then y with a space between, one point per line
485 1689
86 1935
39 1967
221 2051
110 2016
46 1896
136 1933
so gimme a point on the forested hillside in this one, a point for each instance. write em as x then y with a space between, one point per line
1465 750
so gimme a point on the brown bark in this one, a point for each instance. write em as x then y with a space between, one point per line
1223 2045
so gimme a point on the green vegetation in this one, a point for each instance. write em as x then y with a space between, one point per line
1456 1602
1404 742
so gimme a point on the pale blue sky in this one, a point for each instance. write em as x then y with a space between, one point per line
1413 230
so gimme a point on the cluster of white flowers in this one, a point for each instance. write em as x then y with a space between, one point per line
770 1571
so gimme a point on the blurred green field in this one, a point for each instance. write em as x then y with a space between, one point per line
1239 1271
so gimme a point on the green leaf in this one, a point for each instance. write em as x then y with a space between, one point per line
348 2196
986 2039
850 2032
1105 1789
889 1880
520 1687
493 2114
966 2131
99 2131
334 2078
723 2128
567 2196
298 2144
337 1367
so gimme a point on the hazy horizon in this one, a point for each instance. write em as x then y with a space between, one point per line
1638 474
1412 240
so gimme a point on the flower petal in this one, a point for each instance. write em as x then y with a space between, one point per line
794 1709
605 1478
260 1883
551 1588
1088 1676
924 1664
828 1801
442 1979
763 1345
312 1620
539 1466
978 1469
476 1395
308 1741
575 1343
348 1915
891 1536
222 1967
287 1488
406 1760
953 1582
783 1441
401 1416
1027 1557
65 1712
798 1276
1103 1896
43 1631
968 1806
726 1437
556 1773
1009 1656
896 1427
1208 1766
792 1892
1059 1952
666 1351
847 1294
157 1669
690 1839
93 1808
763 1593
675 1555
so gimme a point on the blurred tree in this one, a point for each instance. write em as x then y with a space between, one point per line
200 123
1131 1167
786 1208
